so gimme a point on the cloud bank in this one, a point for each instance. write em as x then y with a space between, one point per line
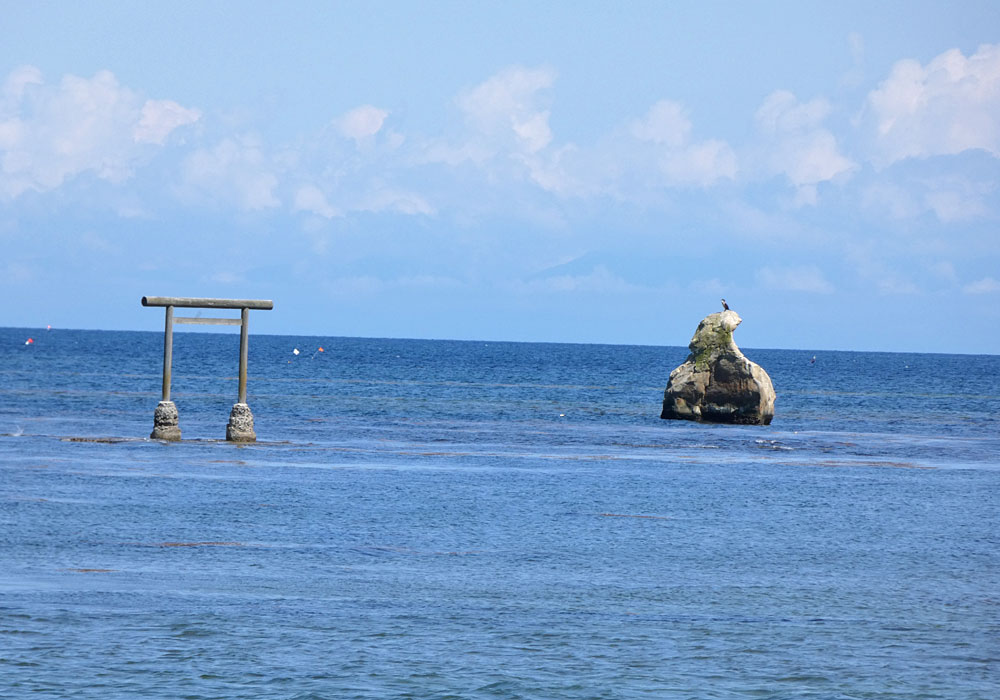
946 107
504 150
52 133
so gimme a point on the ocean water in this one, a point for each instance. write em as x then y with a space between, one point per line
434 519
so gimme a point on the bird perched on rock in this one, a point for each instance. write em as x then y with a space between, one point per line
725 306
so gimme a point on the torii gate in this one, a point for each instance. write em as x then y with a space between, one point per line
165 418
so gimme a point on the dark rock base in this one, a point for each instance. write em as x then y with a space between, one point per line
722 416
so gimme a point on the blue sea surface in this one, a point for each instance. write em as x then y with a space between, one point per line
444 519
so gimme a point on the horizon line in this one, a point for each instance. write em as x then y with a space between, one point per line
199 331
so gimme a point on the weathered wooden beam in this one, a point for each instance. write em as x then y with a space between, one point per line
203 303
207 321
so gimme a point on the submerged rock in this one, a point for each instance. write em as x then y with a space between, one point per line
716 383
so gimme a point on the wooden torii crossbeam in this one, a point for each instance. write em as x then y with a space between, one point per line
165 419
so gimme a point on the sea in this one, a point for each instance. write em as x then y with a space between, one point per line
454 519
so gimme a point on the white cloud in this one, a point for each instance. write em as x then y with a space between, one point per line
555 173
311 199
804 278
507 105
11 134
952 199
159 118
506 135
987 285
703 164
533 131
956 199
949 106
382 198
361 123
51 133
781 112
235 171
797 145
17 81
507 96
812 158
510 139
665 123
666 129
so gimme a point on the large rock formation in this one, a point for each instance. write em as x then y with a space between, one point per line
716 383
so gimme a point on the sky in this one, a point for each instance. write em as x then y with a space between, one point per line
563 172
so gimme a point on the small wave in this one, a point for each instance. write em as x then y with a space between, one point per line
772 445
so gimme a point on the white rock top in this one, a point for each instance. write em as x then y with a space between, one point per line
715 332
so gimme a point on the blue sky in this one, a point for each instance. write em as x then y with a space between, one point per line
578 172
